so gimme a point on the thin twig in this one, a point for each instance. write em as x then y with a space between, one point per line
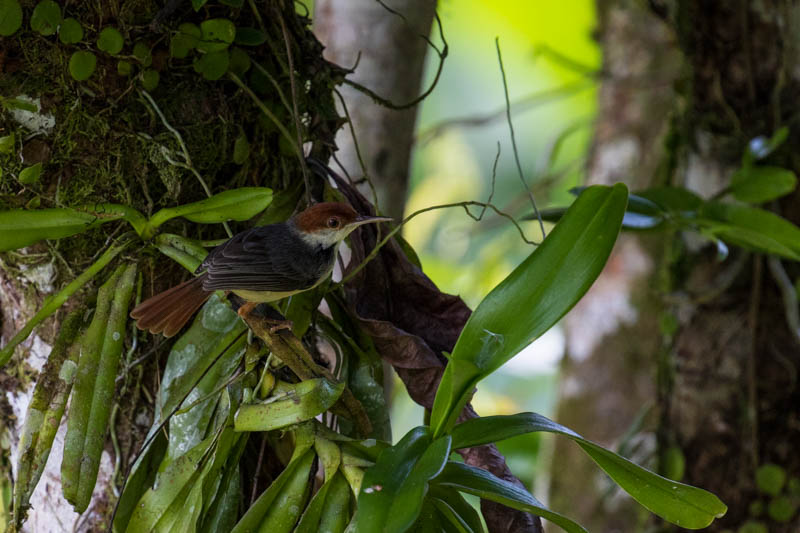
261 450
391 105
396 229
358 151
296 113
788 293
514 139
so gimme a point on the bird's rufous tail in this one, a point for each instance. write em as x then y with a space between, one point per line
168 311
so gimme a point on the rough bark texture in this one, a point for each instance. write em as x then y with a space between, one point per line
710 337
389 52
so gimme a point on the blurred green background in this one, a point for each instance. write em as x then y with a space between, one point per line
550 61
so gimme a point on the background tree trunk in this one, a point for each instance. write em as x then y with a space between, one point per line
388 51
704 341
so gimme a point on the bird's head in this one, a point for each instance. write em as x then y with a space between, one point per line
328 223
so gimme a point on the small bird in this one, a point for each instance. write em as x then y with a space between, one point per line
262 264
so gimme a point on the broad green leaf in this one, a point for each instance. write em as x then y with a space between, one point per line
235 204
641 214
150 79
7 142
224 510
239 61
459 506
681 504
10 17
449 515
216 329
254 517
213 65
481 483
673 199
190 29
20 228
393 490
751 228
141 478
756 185
250 37
217 35
533 297
181 44
110 41
336 513
46 17
297 403
70 31
82 65
142 52
197 4
30 175
185 252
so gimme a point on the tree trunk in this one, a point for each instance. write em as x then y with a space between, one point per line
705 341
388 52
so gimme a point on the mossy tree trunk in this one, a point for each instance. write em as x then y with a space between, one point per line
705 342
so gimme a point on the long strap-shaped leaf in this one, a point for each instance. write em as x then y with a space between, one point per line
481 483
681 504
532 298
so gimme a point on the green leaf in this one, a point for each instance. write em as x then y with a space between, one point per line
684 505
393 490
30 175
770 478
250 37
460 507
184 251
82 65
110 41
213 65
533 297
46 17
70 31
20 228
481 483
239 61
197 4
7 142
673 199
751 228
142 52
190 29
235 204
124 68
10 17
297 403
756 185
181 44
150 79
259 512
241 149
216 35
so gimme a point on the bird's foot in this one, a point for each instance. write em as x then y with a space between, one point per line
278 325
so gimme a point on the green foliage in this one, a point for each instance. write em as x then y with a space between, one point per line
150 79
756 185
216 35
213 65
30 175
10 17
782 509
70 31
751 526
7 143
82 65
46 17
770 478
547 284
110 41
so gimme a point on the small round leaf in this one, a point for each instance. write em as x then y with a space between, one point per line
190 29
124 68
150 79
213 65
46 17
70 31
782 509
181 44
10 17
7 143
240 61
241 149
30 174
770 478
250 37
217 35
110 40
141 51
82 65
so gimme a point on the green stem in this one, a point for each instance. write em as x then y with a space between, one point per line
52 304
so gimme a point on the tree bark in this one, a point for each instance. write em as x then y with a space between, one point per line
706 342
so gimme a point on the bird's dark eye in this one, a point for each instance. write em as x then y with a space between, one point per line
333 222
